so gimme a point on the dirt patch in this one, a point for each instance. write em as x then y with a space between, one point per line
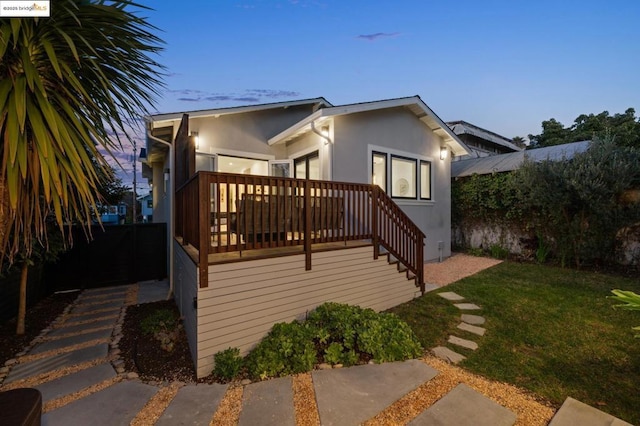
142 353
38 318
455 268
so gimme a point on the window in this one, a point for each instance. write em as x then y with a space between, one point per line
379 170
308 166
403 177
149 204
425 180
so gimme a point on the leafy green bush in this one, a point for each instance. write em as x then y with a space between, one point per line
498 252
227 363
628 300
287 349
162 320
361 334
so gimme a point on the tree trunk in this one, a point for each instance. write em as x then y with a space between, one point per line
22 303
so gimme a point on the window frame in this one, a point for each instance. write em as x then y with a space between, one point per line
430 183
386 171
415 176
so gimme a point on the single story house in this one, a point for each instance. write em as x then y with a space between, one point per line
274 209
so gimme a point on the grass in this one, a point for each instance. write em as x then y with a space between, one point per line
549 330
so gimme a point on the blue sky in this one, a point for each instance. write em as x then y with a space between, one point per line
502 65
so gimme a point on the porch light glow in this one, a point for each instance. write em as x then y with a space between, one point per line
444 152
196 139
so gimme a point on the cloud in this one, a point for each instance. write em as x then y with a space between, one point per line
247 96
376 36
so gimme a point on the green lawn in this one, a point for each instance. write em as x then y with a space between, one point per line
549 330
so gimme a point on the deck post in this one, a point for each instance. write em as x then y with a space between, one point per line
307 225
204 206
374 222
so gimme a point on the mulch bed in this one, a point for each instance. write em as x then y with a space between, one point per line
38 318
142 353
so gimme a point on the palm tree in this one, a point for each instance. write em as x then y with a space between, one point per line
68 83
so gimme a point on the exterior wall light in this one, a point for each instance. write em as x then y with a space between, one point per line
196 139
444 153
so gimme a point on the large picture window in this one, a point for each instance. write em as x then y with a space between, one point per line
404 177
425 180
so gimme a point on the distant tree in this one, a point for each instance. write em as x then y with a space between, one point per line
111 189
519 141
67 84
624 127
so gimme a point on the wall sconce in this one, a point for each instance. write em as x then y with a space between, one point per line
196 139
166 175
444 153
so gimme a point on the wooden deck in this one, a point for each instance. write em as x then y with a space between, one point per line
240 256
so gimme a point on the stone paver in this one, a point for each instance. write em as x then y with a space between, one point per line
465 407
574 412
81 327
93 316
75 382
153 291
115 405
193 405
473 319
349 396
76 339
268 403
472 328
82 308
54 362
450 295
467 306
104 291
469 344
447 354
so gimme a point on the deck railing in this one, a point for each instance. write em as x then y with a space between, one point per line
223 212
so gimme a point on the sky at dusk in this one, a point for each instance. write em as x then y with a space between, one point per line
502 65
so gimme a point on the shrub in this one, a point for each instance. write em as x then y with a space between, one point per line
498 252
287 349
159 321
227 363
361 334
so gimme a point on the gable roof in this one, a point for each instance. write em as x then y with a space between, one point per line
413 103
513 160
461 127
172 116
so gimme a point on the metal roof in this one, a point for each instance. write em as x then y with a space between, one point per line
512 161
462 127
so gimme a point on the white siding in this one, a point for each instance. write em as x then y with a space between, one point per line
245 299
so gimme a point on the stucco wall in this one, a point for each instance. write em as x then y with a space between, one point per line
398 130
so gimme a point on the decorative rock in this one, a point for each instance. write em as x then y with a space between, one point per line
371 362
4 370
472 328
473 319
467 306
450 295
447 354
119 370
337 366
19 354
132 375
11 362
116 352
463 343
324 366
245 382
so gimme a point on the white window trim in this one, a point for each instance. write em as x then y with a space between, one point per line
390 152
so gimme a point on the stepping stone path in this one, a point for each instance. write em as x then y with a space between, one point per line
75 364
470 323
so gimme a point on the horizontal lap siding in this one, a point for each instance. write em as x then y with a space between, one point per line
245 299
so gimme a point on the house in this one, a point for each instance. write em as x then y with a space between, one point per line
146 208
481 142
281 207
513 161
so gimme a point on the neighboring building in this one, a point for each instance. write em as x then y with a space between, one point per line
481 142
113 215
146 208
512 161
281 207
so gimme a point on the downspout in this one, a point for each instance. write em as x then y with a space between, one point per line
328 142
172 175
